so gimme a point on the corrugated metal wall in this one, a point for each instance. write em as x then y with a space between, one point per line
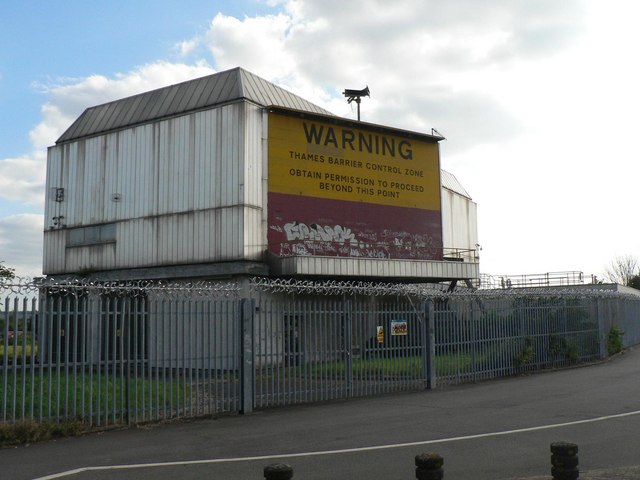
459 221
183 190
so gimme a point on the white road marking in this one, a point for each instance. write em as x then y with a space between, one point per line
337 452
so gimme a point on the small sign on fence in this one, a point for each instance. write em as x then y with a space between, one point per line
380 334
399 327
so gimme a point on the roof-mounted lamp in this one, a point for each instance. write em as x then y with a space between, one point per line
356 95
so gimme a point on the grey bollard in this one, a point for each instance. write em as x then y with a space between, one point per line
278 471
564 461
429 466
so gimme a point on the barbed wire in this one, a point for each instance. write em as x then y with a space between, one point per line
333 287
232 288
424 290
130 288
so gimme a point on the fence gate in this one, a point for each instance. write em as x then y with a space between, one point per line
314 350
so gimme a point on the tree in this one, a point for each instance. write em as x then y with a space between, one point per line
635 282
623 270
6 272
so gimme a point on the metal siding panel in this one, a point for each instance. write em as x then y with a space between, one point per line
226 168
90 182
111 169
135 183
181 159
154 169
209 159
76 172
125 238
182 231
237 184
143 171
125 171
187 160
253 157
65 182
473 225
255 241
54 256
161 239
200 165
216 149
53 180
227 237
459 221
177 166
165 195
231 156
447 218
173 166
168 167
191 159
197 239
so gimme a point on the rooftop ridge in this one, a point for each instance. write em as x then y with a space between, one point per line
231 85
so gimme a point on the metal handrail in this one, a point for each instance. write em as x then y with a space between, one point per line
379 250
548 279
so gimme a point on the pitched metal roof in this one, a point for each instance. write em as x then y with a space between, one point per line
450 182
201 93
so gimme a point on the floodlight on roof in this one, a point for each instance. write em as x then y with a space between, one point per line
356 95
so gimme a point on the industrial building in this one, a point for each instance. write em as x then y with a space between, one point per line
230 175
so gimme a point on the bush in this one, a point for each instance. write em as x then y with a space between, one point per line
526 355
28 431
614 340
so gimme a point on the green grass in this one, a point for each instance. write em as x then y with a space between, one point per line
91 397
16 353
411 366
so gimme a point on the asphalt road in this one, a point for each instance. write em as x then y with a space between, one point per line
492 430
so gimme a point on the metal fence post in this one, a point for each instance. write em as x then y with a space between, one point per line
347 343
602 330
247 309
430 343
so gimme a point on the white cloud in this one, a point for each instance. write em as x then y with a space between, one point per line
187 47
260 43
423 60
21 243
536 99
69 97
22 179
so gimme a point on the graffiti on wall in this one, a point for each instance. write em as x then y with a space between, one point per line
302 231
338 240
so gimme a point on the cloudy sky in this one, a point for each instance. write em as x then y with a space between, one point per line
537 99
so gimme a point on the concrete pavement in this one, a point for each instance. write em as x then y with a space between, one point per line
493 430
